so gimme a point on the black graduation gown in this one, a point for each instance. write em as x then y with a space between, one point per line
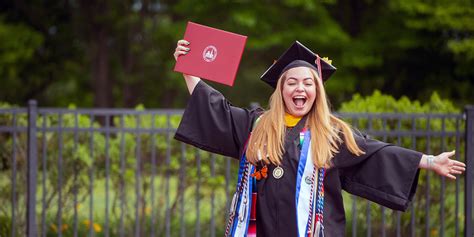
386 174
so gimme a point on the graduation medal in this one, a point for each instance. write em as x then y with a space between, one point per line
278 172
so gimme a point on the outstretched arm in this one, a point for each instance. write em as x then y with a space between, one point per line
388 174
182 48
442 164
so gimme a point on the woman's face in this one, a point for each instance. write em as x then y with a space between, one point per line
299 91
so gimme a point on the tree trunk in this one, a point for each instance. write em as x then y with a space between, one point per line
133 86
100 69
97 34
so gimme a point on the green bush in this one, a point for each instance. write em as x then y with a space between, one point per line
85 161
378 103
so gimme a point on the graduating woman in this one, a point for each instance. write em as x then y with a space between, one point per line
296 156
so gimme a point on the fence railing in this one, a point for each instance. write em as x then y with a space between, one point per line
119 172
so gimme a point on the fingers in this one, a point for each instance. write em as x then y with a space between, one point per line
457 168
181 49
458 163
450 153
450 167
177 54
455 172
182 42
447 154
451 176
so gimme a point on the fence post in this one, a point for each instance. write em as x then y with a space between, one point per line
469 184
32 167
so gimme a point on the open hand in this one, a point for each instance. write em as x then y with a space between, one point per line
181 49
447 167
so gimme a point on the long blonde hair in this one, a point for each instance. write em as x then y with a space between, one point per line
267 138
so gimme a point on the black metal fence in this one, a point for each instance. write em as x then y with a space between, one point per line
118 172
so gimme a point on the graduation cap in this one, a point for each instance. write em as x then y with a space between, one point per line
295 56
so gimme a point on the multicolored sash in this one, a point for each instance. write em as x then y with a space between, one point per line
309 196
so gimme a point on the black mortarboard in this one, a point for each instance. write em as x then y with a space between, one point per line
295 56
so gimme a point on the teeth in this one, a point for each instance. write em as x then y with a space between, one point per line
299 101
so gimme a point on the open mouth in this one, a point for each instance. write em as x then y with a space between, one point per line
299 101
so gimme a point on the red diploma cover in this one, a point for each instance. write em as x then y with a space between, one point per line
215 54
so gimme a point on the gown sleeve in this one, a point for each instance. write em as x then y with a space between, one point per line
212 123
385 174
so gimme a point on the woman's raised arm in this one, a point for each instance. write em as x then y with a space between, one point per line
182 48
210 122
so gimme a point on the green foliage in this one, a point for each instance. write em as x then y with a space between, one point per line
463 49
379 103
19 42
134 157
5 225
400 47
382 103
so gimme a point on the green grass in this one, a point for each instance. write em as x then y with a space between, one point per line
99 204
190 210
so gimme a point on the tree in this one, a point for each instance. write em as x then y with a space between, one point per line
115 53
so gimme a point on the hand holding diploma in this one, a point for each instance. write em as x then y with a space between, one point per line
182 48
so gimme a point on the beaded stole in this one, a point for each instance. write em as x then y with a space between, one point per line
315 227
318 226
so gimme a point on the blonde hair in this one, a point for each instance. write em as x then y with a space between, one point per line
267 138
